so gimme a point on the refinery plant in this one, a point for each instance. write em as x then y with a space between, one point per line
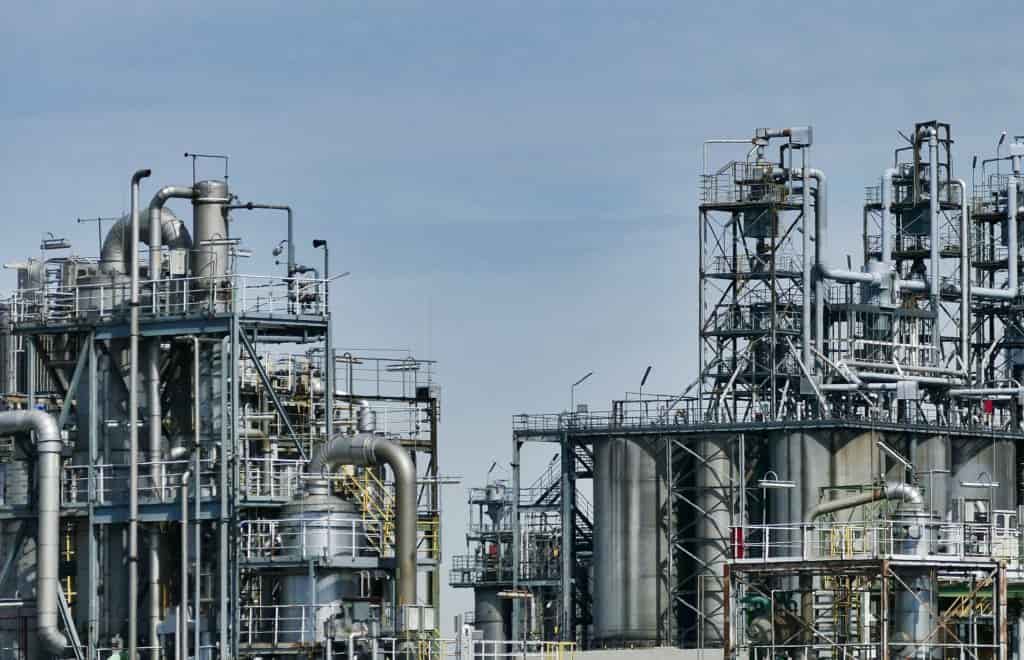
841 479
190 468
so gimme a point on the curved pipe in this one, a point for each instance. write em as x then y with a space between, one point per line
115 254
48 448
365 450
909 496
156 206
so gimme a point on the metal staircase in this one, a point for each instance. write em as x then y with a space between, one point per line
376 506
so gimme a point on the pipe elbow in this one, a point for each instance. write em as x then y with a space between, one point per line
54 642
169 192
140 175
906 494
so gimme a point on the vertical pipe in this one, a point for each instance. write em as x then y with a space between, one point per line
152 368
820 231
1013 251
806 239
197 467
933 214
182 639
133 426
965 278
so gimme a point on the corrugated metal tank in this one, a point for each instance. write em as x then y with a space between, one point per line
629 495
716 474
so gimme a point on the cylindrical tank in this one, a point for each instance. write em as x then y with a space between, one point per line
209 262
317 526
492 615
914 605
629 495
715 473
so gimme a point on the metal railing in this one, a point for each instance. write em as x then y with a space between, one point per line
181 296
111 482
478 649
694 411
891 539
271 478
327 536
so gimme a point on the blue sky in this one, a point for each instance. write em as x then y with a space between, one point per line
512 185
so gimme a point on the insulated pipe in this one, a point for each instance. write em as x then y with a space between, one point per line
114 257
367 450
155 207
910 495
133 424
48 448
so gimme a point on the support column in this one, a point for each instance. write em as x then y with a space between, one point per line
568 488
883 612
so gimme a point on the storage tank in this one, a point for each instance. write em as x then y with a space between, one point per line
492 616
715 476
629 496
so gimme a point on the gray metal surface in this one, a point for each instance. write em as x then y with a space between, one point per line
629 492
209 262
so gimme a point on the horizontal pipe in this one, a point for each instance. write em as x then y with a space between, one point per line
985 391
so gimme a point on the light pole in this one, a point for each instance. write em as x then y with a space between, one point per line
572 392
999 145
643 381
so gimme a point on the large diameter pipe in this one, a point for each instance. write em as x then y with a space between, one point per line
155 228
48 448
367 450
909 495
116 251
133 424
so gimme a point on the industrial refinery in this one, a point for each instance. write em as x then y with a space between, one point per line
841 479
191 469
